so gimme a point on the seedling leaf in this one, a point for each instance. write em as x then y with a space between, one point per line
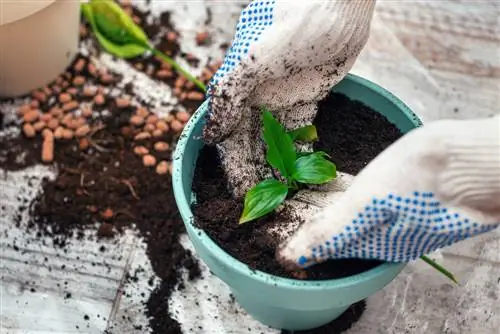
109 34
306 134
280 148
119 35
439 268
314 169
262 199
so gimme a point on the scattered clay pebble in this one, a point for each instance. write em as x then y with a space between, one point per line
195 96
169 118
161 146
142 112
53 123
45 117
189 85
89 91
107 214
139 66
31 116
171 36
106 230
67 134
162 126
176 126
39 126
149 127
56 112
92 69
141 150
86 111
47 91
29 130
64 97
122 102
148 160
35 104
137 19
162 168
72 90
142 136
183 116
80 121
83 144
78 81
152 119
70 106
202 38
136 120
157 133
183 96
177 91
99 99
82 131
106 79
47 133
164 74
79 65
48 146
23 109
180 82
58 133
206 74
40 96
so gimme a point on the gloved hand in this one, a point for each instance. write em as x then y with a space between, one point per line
286 56
437 185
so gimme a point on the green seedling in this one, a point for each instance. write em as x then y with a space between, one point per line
119 35
296 168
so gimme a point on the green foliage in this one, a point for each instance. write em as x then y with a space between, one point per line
263 198
314 169
439 268
306 134
297 168
119 35
280 148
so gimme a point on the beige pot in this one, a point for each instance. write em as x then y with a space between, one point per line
38 40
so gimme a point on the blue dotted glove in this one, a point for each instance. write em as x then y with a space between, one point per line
286 55
436 186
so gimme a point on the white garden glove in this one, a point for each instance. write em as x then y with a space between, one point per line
286 56
437 185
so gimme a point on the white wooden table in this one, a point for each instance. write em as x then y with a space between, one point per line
441 57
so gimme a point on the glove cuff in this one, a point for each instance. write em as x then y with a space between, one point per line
472 175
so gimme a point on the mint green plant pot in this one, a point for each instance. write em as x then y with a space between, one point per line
275 301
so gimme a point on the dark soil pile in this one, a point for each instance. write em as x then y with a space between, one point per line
352 133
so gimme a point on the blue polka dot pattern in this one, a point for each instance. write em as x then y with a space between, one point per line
398 229
254 19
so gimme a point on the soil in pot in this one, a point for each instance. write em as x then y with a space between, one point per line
350 132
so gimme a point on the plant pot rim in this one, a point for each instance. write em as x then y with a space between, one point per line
184 206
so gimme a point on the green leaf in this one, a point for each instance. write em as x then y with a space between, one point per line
280 148
314 169
306 134
439 268
262 199
114 23
110 38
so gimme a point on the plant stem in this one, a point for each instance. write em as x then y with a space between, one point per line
178 68
439 268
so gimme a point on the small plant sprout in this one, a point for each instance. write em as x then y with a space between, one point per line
297 168
119 35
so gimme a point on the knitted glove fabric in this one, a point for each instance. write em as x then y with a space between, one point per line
436 186
286 55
